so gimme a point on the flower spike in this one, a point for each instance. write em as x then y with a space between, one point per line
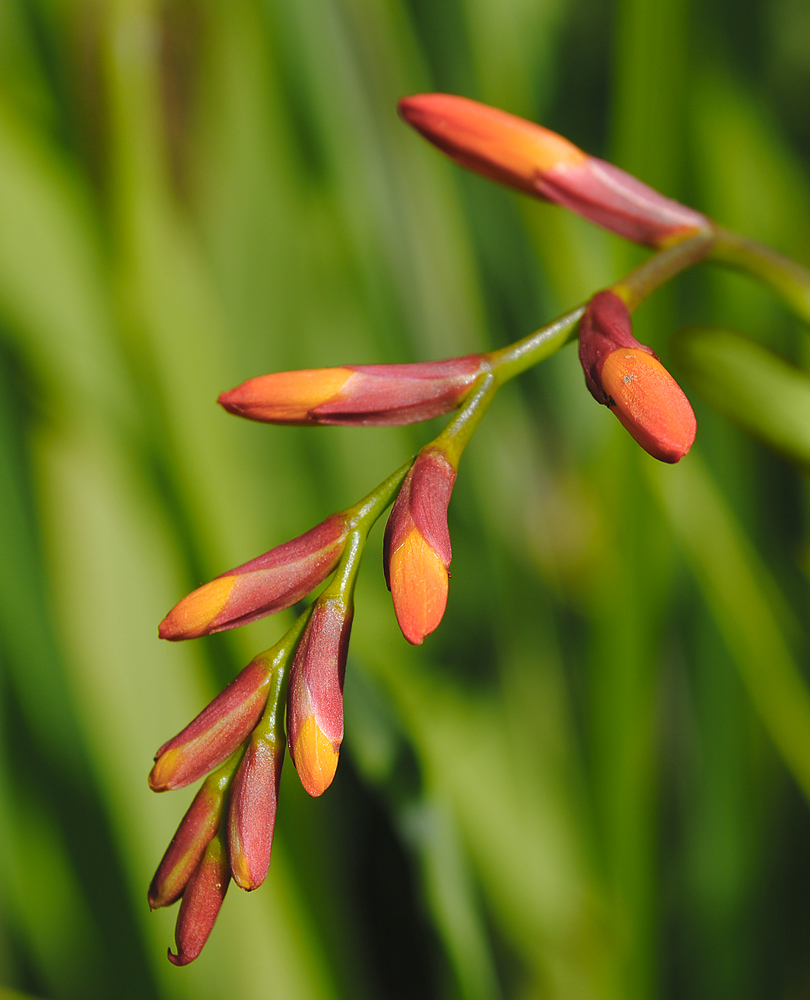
541 163
315 698
269 583
417 551
368 395
627 377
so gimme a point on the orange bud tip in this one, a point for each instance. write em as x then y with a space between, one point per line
285 397
493 143
419 584
649 403
315 758
196 613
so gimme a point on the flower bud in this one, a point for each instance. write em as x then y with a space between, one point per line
534 160
269 583
378 395
188 845
315 696
201 903
216 732
627 377
416 549
252 809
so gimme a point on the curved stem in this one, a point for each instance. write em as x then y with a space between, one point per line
657 270
366 511
525 353
789 279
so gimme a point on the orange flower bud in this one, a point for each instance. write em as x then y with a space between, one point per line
416 550
315 696
202 901
378 395
490 142
269 583
216 732
252 810
188 845
626 376
536 161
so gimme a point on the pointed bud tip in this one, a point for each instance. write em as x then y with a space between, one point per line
315 758
160 777
649 403
244 880
419 586
285 397
197 613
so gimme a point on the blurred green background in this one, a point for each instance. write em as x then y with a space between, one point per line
592 781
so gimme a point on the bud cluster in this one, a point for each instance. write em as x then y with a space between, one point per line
290 698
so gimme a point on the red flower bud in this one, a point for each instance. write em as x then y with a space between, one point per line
188 845
264 585
536 161
252 811
626 376
315 696
378 395
201 903
216 732
416 549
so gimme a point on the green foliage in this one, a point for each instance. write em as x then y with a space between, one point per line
592 780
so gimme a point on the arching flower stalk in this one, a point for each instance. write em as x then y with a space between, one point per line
239 740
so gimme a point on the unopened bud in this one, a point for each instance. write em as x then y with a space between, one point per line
378 395
315 696
216 732
626 376
416 549
252 809
202 901
269 583
536 161
184 853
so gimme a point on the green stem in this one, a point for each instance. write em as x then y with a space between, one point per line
455 436
657 270
342 584
633 289
525 353
789 279
366 511
217 782
271 726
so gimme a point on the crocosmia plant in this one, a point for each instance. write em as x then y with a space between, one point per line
289 699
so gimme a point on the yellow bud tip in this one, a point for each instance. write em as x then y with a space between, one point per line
241 875
649 403
419 582
285 397
161 774
315 758
196 613
492 142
